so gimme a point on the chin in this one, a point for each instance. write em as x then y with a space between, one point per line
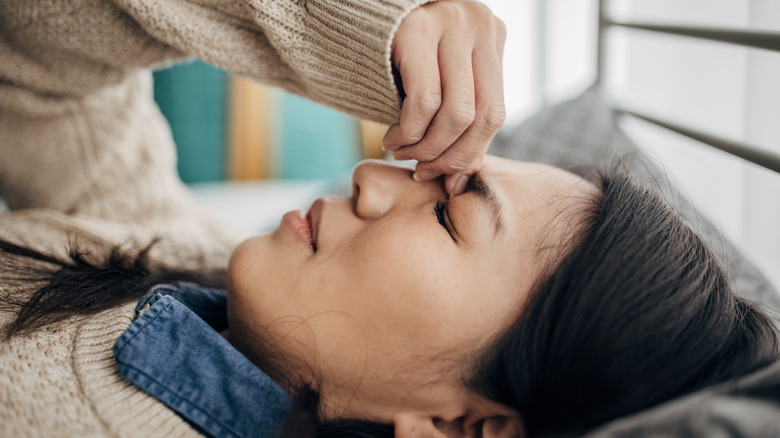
247 261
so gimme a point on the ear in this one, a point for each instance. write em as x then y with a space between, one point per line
496 425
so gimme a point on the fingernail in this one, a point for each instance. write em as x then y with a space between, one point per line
458 185
425 175
387 144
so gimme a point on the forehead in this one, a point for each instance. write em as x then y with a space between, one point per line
535 198
540 207
539 176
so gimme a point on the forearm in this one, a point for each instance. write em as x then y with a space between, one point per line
336 52
66 94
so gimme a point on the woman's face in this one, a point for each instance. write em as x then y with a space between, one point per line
389 302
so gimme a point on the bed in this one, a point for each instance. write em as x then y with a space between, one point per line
588 130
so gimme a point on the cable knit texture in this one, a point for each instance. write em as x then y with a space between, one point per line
85 153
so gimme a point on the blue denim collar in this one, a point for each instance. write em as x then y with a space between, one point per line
172 353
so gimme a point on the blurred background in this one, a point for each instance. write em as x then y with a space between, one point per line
230 129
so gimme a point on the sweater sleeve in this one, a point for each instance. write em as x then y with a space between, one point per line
336 52
79 131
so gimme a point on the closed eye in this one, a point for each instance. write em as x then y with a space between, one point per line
440 209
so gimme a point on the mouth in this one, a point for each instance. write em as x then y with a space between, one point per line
313 217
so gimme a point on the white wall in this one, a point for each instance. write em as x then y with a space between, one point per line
568 28
520 81
727 90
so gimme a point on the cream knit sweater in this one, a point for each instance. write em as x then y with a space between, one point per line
85 152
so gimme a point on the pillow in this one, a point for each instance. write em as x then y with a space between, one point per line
584 132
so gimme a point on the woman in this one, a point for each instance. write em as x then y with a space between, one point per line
534 304
557 341
399 288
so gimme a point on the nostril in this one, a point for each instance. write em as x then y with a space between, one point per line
355 195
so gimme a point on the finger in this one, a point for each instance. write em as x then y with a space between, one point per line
500 33
391 139
460 158
464 158
455 184
465 155
419 70
425 174
489 85
458 108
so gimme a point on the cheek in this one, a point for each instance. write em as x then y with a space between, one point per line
240 272
422 289
399 283
241 277
400 255
261 279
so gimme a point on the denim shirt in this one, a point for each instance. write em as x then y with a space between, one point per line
174 353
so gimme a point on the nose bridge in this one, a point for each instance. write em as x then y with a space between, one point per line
377 187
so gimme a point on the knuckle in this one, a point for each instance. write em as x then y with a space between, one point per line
461 159
411 136
429 101
473 14
472 167
500 27
494 118
427 154
418 18
482 12
454 164
456 12
463 115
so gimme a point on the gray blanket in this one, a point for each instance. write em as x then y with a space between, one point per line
584 132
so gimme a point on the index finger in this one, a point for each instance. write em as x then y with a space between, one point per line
419 70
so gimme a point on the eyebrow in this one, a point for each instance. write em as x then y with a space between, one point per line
484 192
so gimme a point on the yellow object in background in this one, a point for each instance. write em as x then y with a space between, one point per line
249 131
228 127
371 137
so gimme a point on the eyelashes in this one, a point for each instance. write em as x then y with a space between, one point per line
440 209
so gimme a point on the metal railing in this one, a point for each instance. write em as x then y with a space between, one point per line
759 39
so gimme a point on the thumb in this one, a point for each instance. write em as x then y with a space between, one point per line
455 184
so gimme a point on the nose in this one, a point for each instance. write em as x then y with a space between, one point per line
378 187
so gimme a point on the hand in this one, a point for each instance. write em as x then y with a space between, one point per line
449 56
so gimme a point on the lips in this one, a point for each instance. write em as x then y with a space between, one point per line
313 217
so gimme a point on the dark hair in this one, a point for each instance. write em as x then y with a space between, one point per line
81 284
639 311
